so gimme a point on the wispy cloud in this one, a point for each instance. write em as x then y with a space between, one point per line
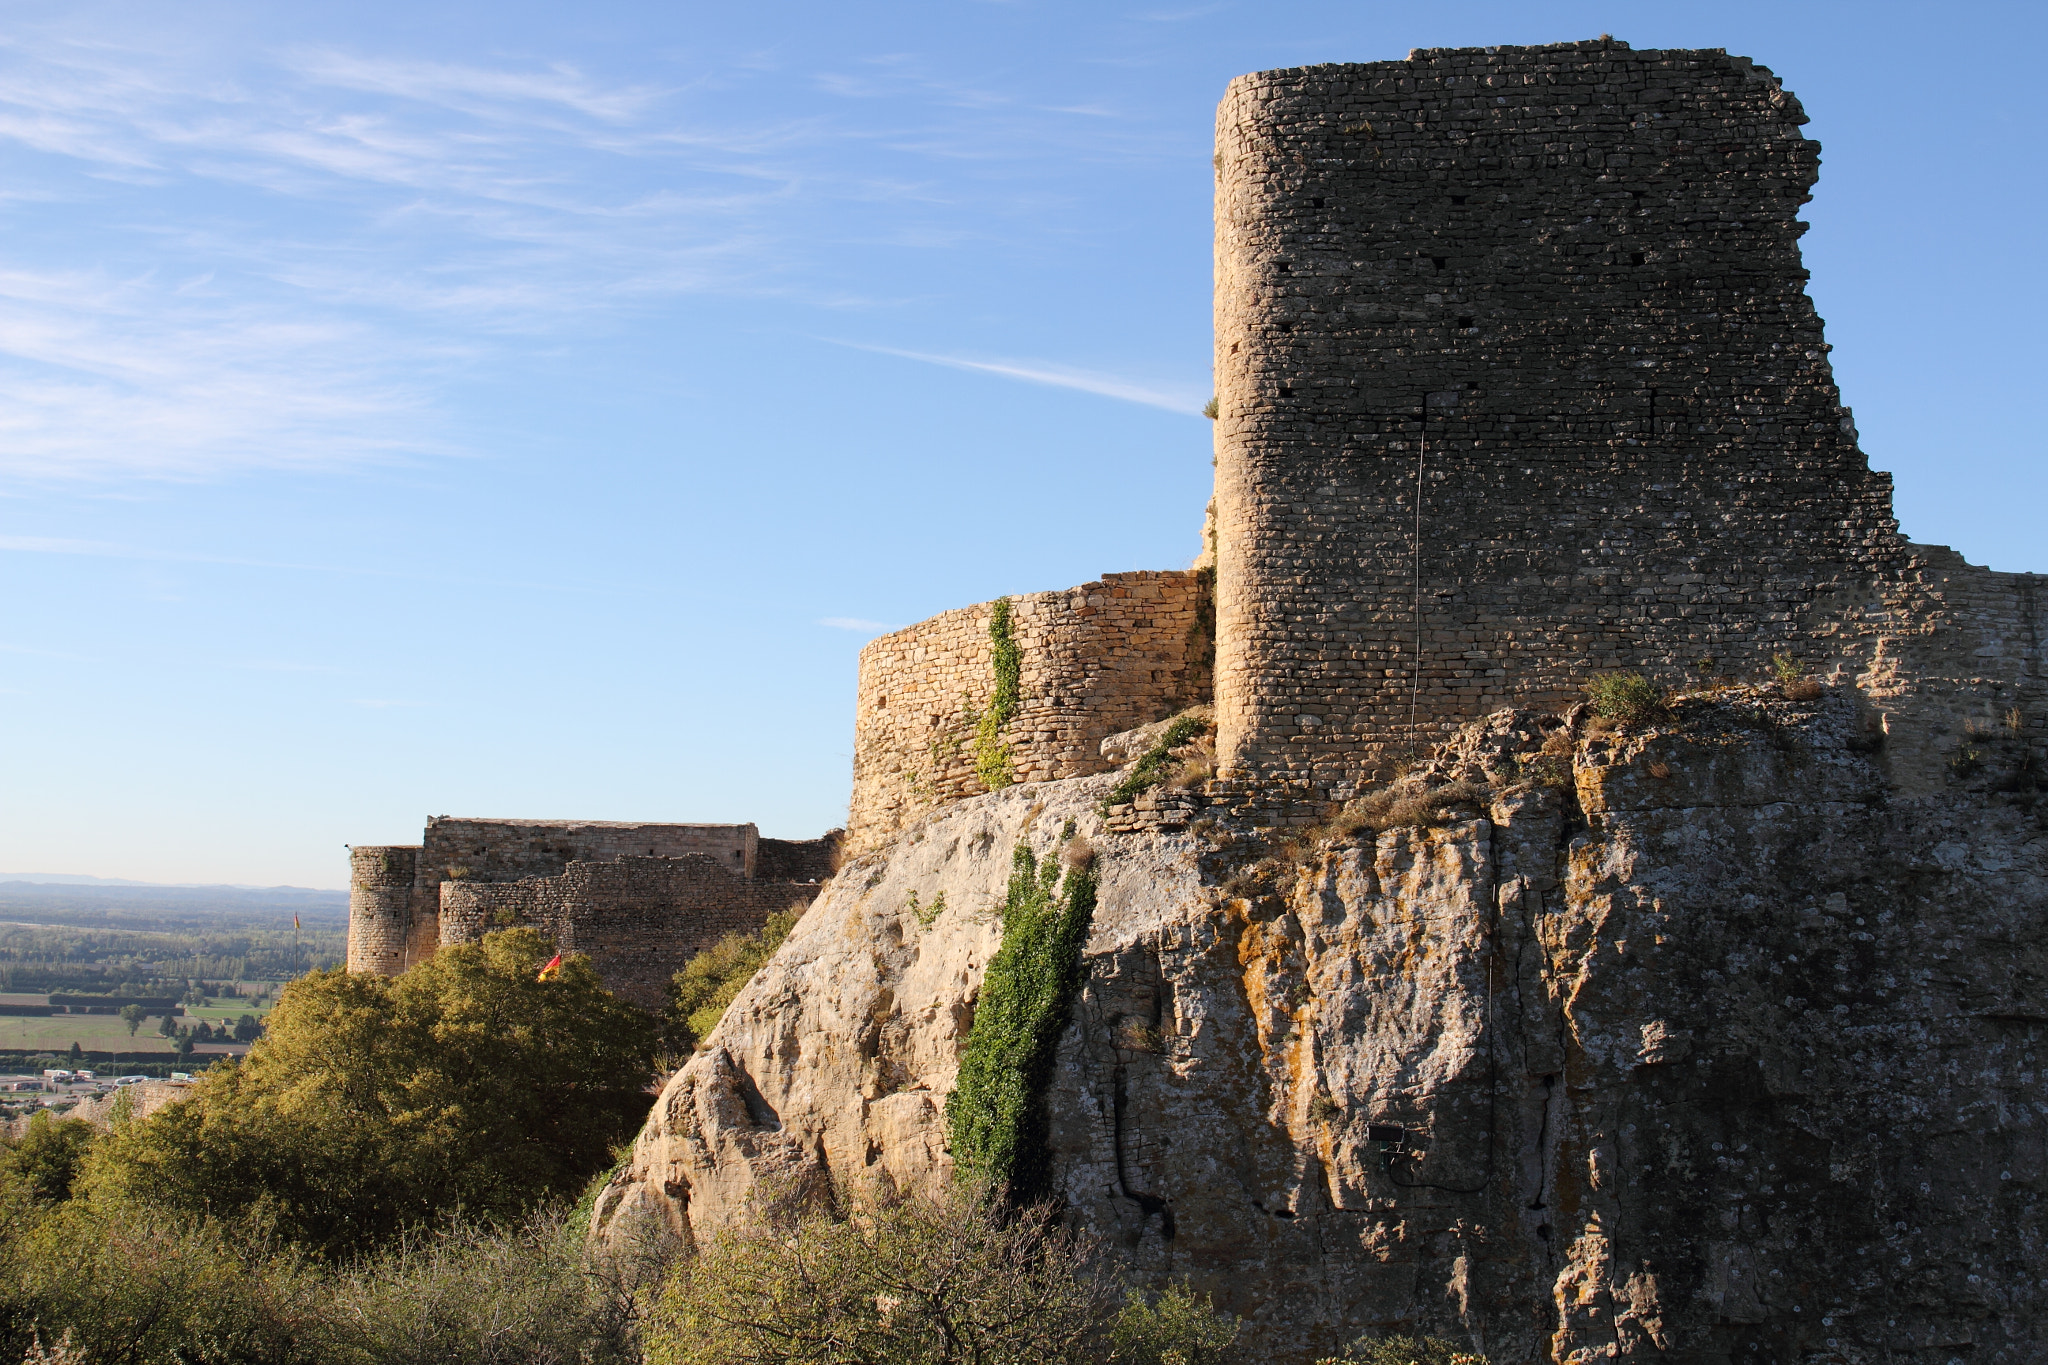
1176 398
348 232
476 90
102 375
856 623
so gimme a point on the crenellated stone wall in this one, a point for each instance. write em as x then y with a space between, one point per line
1096 659
1518 383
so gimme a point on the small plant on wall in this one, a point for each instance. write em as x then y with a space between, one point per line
1628 699
994 765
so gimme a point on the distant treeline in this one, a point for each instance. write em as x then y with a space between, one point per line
173 909
47 959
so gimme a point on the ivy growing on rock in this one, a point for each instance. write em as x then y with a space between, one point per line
1151 769
997 1110
992 760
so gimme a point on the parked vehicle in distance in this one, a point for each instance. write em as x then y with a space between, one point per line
130 1080
58 1076
85 1075
181 1075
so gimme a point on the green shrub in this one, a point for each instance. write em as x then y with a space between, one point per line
1627 699
128 1286
1172 1328
377 1103
1787 669
1406 1351
710 980
471 1293
911 1280
996 1113
49 1156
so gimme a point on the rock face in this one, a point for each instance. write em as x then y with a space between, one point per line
1699 1044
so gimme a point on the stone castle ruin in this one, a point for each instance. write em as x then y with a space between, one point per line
1517 384
638 899
1446 1006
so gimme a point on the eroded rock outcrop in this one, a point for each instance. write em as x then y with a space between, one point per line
1697 1044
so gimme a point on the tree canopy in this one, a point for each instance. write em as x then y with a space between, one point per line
375 1103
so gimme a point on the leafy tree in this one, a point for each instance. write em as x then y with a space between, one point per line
132 1016
1172 1328
47 1158
376 1103
247 1030
169 1027
711 979
77 1052
185 1044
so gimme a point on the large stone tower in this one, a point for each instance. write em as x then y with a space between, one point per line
1518 383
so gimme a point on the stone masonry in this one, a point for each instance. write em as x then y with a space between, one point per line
1518 383
638 919
1097 659
639 899
1714 1037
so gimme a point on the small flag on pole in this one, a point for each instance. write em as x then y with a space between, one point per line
549 972
295 924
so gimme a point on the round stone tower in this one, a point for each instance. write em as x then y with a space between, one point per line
380 906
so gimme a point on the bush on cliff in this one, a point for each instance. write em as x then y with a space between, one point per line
373 1104
915 1280
1628 699
711 979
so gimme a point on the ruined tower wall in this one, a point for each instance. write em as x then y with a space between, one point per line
507 850
380 884
396 894
638 919
1517 378
1096 659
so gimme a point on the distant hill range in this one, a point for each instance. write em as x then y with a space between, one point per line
106 903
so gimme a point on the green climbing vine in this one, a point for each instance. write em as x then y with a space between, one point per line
1151 769
992 760
997 1110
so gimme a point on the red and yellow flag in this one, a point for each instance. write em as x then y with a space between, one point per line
549 972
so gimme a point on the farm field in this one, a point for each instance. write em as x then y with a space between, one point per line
109 1032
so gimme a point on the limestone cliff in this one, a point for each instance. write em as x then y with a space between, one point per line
1700 1043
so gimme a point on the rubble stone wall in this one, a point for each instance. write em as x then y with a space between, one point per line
1518 383
397 893
380 880
638 919
1097 659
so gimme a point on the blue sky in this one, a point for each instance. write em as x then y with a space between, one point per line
531 409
